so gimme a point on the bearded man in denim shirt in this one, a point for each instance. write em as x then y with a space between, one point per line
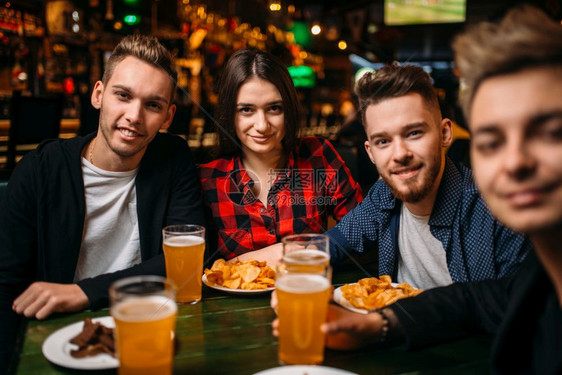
424 216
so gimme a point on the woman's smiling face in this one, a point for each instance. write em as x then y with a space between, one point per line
260 120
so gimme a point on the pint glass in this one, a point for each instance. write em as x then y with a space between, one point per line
307 253
184 249
144 311
302 308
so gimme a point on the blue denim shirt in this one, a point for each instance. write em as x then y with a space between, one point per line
478 247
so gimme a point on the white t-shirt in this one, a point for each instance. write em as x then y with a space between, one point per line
110 241
422 260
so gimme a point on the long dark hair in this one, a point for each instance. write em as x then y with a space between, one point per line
242 66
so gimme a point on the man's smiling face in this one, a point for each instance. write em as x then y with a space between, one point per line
405 143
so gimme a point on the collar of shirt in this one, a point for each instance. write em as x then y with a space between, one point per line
447 201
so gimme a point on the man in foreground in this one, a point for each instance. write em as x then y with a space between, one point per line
81 213
512 71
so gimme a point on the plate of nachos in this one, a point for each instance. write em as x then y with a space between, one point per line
249 277
372 293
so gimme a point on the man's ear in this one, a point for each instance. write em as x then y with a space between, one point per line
446 132
97 94
368 149
169 117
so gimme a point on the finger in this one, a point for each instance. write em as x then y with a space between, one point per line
275 326
273 301
330 327
47 309
24 300
34 307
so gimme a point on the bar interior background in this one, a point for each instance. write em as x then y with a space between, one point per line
59 47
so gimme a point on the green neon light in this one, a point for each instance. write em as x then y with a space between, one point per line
302 34
303 76
131 19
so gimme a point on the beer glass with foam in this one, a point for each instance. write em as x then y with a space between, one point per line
144 310
308 253
302 306
184 249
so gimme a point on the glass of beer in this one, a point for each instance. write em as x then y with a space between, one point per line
144 310
302 307
308 253
184 249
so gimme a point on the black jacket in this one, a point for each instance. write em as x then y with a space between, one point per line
42 218
523 312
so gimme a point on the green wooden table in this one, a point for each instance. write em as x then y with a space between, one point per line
227 334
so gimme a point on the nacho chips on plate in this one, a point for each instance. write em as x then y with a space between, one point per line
375 293
249 275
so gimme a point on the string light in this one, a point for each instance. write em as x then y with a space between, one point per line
315 29
274 5
342 45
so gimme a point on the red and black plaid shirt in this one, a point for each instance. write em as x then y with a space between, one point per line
315 183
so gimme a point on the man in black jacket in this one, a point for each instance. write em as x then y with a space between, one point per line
511 74
81 213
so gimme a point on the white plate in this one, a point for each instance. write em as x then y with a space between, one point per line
342 301
234 291
304 370
56 348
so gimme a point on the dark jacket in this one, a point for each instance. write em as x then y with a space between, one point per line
42 218
523 312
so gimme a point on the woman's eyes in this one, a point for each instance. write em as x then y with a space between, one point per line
273 109
276 108
244 109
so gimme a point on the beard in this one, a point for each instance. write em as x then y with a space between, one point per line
415 189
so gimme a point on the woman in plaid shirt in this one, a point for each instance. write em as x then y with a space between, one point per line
267 182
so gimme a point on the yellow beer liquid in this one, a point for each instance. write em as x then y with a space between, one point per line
184 265
144 335
302 308
306 261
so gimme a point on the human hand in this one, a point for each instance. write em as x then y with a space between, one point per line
273 301
41 299
272 254
347 330
275 327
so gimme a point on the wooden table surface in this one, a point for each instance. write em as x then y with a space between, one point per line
227 334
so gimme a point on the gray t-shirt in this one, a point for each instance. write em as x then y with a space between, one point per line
422 260
110 241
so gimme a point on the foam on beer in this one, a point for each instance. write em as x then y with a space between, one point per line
302 283
181 241
144 309
307 256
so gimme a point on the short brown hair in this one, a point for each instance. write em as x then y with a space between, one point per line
241 67
145 48
393 81
525 38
